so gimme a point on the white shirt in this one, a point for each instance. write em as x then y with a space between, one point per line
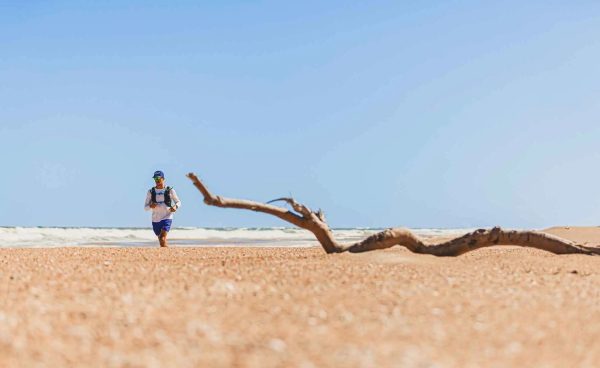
161 211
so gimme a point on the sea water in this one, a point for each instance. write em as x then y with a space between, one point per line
38 237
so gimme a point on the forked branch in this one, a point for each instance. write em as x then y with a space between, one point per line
314 222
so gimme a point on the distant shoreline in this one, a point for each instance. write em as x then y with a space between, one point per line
184 236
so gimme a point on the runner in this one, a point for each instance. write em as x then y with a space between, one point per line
163 202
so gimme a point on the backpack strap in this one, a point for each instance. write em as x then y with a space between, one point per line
168 202
153 195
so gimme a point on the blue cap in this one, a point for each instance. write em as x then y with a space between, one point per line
159 174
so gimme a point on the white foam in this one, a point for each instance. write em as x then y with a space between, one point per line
72 237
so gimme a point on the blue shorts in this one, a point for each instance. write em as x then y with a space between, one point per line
160 226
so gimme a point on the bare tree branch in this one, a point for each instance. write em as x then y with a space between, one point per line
315 222
478 239
308 220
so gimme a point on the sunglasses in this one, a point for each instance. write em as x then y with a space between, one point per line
157 178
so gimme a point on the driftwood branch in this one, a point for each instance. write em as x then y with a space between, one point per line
315 222
303 218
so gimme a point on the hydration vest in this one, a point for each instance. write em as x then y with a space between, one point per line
167 196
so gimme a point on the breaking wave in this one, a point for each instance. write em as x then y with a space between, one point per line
37 237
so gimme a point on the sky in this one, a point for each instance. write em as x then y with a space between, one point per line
382 113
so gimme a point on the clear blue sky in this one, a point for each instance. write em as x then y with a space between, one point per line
383 113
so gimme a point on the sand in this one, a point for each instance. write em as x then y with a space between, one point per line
282 307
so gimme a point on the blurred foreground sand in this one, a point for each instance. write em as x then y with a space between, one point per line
275 307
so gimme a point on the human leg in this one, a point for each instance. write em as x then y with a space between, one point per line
162 230
162 239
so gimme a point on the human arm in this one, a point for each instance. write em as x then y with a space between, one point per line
176 202
147 205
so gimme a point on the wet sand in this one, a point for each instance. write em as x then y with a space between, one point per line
278 307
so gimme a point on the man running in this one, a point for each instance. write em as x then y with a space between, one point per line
163 202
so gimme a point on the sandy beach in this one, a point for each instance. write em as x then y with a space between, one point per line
298 307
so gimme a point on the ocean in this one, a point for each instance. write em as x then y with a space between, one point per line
43 237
